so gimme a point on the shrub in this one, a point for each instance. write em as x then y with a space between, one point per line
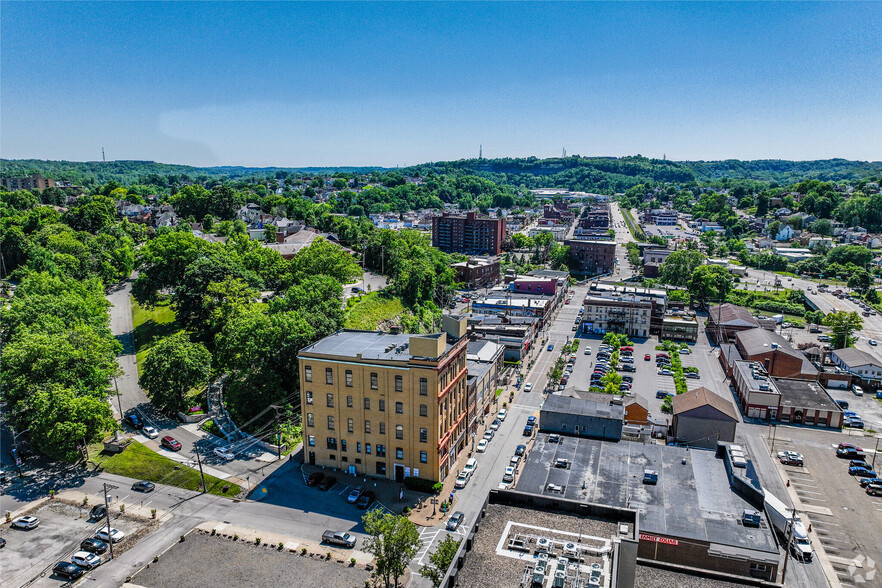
302 551
183 538
257 541
419 484
281 545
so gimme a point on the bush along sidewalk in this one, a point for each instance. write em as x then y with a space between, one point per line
673 349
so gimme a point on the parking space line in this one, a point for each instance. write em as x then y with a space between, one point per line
345 488
801 492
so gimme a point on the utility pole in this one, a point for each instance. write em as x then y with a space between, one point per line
119 404
107 515
201 473
774 432
873 465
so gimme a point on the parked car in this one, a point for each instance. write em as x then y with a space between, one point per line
170 443
488 434
684 351
665 355
339 538
93 545
86 560
528 430
859 463
520 449
508 476
858 391
624 386
647 357
65 569
626 359
224 453
150 432
99 511
134 420
502 414
496 422
314 478
867 481
482 446
665 372
455 521
843 404
471 465
26 523
462 479
790 458
824 338
143 486
587 351
874 489
326 483
872 342
365 500
355 494
627 378
662 394
114 535
861 471
528 386
531 420
515 460
550 347
692 375
854 423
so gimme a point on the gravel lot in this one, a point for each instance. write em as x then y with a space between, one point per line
203 560
484 568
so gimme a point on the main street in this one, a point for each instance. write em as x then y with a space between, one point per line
623 269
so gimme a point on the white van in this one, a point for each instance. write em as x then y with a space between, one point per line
471 465
858 391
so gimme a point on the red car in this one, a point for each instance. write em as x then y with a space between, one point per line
647 357
631 349
171 443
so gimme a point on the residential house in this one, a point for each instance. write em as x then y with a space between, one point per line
865 367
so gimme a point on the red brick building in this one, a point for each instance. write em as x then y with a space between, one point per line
469 234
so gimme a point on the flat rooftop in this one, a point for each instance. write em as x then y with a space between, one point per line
753 385
513 302
367 345
691 500
805 394
488 563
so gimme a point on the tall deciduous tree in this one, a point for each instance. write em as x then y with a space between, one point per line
60 420
678 267
174 366
394 541
843 325
324 257
440 560
710 283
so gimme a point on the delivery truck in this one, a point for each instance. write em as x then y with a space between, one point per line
789 525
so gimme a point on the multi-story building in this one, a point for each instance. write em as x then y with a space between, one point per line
477 272
469 234
626 314
660 216
597 217
34 182
485 364
593 257
386 404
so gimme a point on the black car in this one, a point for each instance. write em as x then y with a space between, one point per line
2 542
143 486
65 569
92 545
134 420
99 511
314 478
520 449
365 500
326 483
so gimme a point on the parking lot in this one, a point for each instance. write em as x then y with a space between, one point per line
30 554
844 518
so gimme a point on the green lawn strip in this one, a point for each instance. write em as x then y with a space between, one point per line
371 309
151 325
141 463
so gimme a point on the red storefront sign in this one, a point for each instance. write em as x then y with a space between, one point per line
656 539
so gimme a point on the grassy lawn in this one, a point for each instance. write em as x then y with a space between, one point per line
151 325
140 463
371 309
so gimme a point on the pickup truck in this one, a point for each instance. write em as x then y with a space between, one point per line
338 538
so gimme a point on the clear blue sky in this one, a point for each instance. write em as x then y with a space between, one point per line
301 84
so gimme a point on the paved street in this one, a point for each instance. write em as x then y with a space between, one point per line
623 269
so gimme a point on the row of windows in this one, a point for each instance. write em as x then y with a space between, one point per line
380 449
381 404
399 380
350 427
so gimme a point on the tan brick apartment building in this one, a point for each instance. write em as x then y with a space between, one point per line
383 404
35 182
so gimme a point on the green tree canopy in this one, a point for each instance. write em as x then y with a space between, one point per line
440 560
710 283
678 267
172 367
843 326
393 540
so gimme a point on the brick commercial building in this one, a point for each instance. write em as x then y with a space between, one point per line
477 272
596 217
34 182
775 354
469 234
592 257
724 321
388 405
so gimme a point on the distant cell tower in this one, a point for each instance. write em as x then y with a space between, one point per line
481 152
102 155
564 152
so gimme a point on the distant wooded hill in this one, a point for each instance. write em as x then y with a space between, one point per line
589 174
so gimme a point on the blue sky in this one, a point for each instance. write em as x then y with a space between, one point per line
303 84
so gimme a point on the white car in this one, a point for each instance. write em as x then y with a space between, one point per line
587 351
224 453
86 560
684 351
114 535
508 476
482 446
528 386
664 372
471 465
462 479
150 432
26 523
858 391
501 414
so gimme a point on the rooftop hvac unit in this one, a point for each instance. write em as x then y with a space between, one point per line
542 544
560 579
570 549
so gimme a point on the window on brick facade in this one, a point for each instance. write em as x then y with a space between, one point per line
358 447
399 408
310 419
330 400
424 387
381 468
330 422
332 443
343 445
424 457
399 453
381 451
424 410
382 405
374 381
367 426
307 373
424 435
349 401
310 440
367 448
349 378
350 425
329 376
399 383
382 428
367 403
308 397
399 432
